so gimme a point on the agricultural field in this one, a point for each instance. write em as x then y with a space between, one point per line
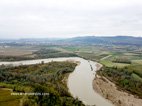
17 53
137 62
111 56
6 99
13 53
119 56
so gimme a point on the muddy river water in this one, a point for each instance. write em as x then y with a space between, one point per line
80 81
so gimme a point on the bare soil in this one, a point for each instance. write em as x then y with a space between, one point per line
15 52
109 90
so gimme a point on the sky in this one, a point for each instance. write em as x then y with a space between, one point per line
69 18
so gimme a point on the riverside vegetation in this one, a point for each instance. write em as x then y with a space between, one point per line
39 78
128 78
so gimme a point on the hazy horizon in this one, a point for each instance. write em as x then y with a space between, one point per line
69 18
64 37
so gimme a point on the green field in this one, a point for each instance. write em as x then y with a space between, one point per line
101 53
6 99
117 56
111 64
137 61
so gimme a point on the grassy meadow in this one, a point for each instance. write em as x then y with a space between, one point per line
6 99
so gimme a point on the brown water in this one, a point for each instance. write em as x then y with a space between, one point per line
79 81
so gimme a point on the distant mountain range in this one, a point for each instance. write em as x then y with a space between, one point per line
116 40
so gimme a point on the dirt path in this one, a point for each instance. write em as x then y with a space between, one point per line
105 57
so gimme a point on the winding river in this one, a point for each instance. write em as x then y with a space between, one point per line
79 81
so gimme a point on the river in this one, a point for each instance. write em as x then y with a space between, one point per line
80 81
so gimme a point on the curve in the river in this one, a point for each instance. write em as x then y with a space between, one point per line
79 81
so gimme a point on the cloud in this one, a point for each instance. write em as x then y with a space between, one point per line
67 18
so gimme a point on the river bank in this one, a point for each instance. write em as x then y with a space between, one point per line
110 91
79 82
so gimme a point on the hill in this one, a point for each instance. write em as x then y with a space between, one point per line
91 40
116 40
